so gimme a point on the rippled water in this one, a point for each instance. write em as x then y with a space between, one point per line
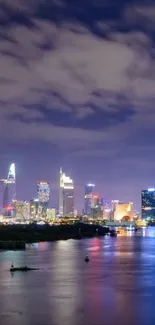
117 286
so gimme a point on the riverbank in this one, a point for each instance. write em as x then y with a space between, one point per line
37 233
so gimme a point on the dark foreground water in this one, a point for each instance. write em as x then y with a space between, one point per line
117 286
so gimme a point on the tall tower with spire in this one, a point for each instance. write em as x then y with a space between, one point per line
9 194
61 193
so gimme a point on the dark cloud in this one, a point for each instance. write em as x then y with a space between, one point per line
79 76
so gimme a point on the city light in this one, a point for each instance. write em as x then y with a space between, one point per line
12 173
43 189
9 208
66 197
95 207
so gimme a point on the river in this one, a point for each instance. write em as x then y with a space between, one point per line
117 286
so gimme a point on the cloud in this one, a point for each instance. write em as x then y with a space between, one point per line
67 68
77 64
24 127
141 15
28 6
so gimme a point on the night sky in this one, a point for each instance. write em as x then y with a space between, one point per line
77 90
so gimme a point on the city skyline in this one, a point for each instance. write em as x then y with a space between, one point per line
51 190
52 185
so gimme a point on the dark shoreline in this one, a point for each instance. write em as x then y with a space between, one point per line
36 233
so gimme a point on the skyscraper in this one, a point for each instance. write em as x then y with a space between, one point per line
35 208
114 204
148 203
51 214
66 199
9 194
97 206
61 193
43 189
21 209
88 198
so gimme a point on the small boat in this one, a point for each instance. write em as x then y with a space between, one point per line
86 258
22 269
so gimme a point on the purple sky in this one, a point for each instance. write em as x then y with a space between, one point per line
77 90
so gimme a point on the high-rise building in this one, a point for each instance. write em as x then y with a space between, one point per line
97 201
124 210
21 209
66 199
114 204
43 189
9 194
35 209
148 204
51 215
97 206
61 193
88 198
107 214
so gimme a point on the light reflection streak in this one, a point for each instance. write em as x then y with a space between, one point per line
66 286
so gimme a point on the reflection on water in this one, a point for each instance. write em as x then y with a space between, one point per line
117 285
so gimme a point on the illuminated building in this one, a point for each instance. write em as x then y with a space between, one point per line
43 189
97 207
136 215
66 199
75 213
9 194
106 209
114 204
21 209
148 203
107 214
106 204
35 208
124 210
88 198
51 214
97 201
141 223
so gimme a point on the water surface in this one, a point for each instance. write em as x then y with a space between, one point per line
117 286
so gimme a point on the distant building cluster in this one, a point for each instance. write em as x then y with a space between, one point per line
95 207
